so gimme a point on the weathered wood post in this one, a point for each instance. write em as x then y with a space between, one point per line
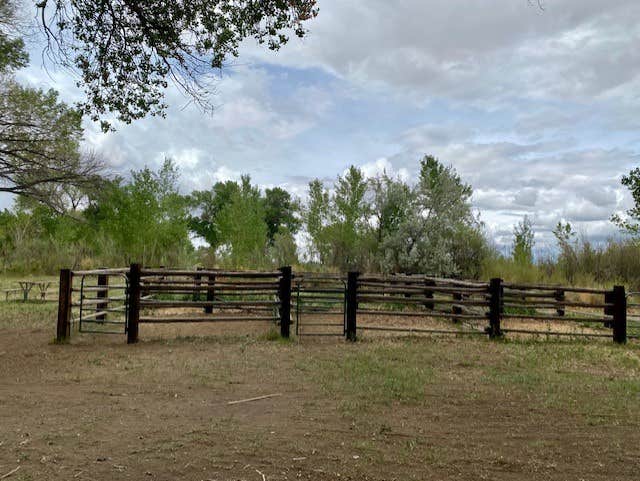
559 297
197 283
619 315
495 306
285 301
352 305
428 293
102 293
456 309
134 303
63 331
211 292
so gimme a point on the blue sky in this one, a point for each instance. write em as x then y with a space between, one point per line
538 110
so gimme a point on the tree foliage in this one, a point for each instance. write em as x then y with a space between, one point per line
125 51
144 220
523 241
39 135
631 223
385 224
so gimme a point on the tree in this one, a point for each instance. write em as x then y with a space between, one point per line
208 204
438 215
568 258
126 51
39 146
242 226
523 241
391 204
12 53
144 220
630 224
39 135
338 224
280 212
316 217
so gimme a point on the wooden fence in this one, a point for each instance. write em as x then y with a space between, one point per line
119 300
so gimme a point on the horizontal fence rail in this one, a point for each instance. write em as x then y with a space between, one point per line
118 300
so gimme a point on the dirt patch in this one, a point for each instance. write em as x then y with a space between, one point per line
430 409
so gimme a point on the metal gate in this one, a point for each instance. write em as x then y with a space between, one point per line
320 305
101 301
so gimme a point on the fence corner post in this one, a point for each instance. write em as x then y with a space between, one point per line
103 283
211 293
285 301
63 331
495 307
134 303
619 315
559 297
352 305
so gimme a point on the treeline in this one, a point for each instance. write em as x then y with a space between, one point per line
380 224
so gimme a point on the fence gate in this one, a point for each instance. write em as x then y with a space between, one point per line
319 302
100 301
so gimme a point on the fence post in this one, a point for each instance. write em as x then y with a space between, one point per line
197 284
495 306
352 305
211 292
285 301
134 303
63 331
619 315
103 281
559 297
428 294
456 309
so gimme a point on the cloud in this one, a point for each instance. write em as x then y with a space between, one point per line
536 110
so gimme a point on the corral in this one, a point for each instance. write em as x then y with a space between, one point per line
455 406
325 305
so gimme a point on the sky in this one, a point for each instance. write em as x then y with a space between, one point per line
536 108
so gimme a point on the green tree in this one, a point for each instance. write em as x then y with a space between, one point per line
243 228
631 222
523 241
316 217
125 51
392 202
568 259
280 212
207 205
145 220
338 224
39 135
438 215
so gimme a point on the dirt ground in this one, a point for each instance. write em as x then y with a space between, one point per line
379 409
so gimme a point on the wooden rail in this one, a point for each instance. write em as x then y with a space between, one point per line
212 295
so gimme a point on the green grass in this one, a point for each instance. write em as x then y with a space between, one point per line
371 375
590 378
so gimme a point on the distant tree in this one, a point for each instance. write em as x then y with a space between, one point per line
284 251
338 224
438 213
568 258
391 204
523 241
316 217
144 220
280 212
126 51
631 223
243 228
206 206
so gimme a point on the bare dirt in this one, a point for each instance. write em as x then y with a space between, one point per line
98 409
